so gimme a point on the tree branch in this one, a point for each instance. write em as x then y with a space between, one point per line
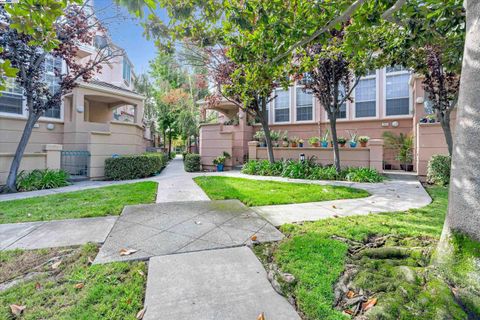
388 15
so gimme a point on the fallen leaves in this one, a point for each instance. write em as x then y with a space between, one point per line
79 285
261 316
140 272
254 237
90 260
141 314
56 264
17 309
127 252
369 304
350 294
38 286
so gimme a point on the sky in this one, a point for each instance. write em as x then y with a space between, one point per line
126 32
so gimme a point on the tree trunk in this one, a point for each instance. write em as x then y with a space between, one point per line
336 151
164 139
266 129
22 145
169 144
447 130
195 144
464 199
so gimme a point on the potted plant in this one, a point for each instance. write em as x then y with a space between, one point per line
353 139
403 145
260 136
363 141
314 141
294 142
285 138
341 141
219 161
324 139
275 136
300 143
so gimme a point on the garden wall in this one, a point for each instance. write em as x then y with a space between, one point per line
369 157
430 141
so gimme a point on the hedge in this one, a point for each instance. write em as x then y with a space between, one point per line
192 162
438 171
135 166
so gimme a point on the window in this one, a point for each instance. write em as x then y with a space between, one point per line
282 106
53 67
11 100
342 111
366 98
397 91
126 71
304 105
428 106
100 42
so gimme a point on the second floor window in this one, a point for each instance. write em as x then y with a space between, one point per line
11 100
304 105
397 92
282 106
53 66
366 98
126 71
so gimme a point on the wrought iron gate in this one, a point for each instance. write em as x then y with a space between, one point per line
76 163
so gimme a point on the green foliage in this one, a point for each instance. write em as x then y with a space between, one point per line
260 193
135 166
402 144
172 155
309 170
438 171
111 291
42 179
97 202
192 162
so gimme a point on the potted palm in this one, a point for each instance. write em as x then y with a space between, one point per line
342 141
285 138
275 136
300 143
314 141
403 145
353 139
324 139
219 161
260 137
294 142
363 141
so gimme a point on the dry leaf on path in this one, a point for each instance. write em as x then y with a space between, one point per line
334 206
127 252
56 264
261 316
369 304
16 309
141 313
350 294
254 237
38 286
79 286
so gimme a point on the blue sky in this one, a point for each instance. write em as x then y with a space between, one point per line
127 33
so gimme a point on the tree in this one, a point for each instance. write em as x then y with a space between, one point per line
142 85
29 58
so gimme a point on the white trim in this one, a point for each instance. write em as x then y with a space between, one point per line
289 106
376 76
294 105
410 94
110 90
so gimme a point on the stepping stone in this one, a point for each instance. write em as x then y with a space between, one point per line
176 227
224 284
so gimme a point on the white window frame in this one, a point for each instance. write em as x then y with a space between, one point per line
377 97
299 86
347 112
289 106
410 94
62 107
129 80
22 115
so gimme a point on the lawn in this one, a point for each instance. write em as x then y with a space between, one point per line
96 202
261 192
397 273
74 289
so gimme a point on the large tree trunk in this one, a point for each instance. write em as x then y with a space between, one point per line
169 144
266 129
336 150
22 145
447 130
464 200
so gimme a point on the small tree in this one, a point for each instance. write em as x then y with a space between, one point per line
29 58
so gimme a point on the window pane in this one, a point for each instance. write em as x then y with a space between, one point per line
304 105
395 69
397 107
11 103
366 90
428 106
342 113
365 109
397 86
282 106
53 112
282 115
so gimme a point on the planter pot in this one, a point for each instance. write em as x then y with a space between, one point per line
300 145
263 144
324 144
315 145
342 145
220 167
387 166
406 167
423 120
294 145
285 144
363 144
353 144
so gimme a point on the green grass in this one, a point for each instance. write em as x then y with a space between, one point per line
261 192
317 261
96 202
111 291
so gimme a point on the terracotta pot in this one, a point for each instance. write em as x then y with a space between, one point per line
363 144
285 144
315 145
294 145
342 145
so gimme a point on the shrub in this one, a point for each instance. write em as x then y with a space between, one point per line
135 166
192 162
438 171
173 155
42 179
309 170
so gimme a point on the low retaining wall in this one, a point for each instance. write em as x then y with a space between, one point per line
370 156
50 159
